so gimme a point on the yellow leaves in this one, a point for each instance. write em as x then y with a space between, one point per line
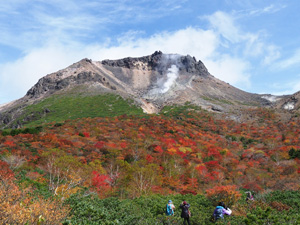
199 155
96 165
172 150
64 190
185 149
259 152
18 207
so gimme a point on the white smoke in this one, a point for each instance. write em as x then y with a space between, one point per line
289 106
165 84
168 72
270 98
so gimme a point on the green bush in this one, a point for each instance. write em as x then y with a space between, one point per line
13 132
143 210
290 198
151 210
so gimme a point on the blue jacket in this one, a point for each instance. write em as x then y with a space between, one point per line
169 210
220 211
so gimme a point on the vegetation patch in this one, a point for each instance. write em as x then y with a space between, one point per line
217 100
59 108
28 130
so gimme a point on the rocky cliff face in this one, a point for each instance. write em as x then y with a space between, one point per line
151 81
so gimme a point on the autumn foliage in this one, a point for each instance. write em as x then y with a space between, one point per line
227 194
193 152
18 206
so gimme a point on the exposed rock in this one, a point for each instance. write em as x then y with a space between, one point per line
192 66
86 72
130 63
5 119
218 109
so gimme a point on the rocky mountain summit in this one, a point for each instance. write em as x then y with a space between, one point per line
152 81
145 77
158 79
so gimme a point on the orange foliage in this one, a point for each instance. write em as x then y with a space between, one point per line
227 194
17 207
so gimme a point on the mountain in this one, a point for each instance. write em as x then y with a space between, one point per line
151 82
87 137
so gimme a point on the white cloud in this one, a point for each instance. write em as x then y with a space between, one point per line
18 76
272 54
286 87
232 70
268 9
253 45
26 24
291 61
243 44
193 41
62 50
225 26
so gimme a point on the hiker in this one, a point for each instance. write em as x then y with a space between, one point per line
220 210
185 213
170 208
249 196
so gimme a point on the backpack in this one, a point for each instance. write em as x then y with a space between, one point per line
169 210
218 213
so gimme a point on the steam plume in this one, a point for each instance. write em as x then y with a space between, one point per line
172 75
169 69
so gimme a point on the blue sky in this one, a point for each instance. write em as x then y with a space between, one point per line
251 44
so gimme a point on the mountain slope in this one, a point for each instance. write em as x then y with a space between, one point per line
152 82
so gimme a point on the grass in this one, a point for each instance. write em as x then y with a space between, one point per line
62 107
58 108
177 110
216 101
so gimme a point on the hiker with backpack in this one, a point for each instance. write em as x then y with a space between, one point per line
249 196
185 213
170 208
220 211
